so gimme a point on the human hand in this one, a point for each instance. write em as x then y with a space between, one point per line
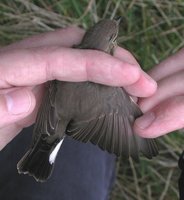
26 65
164 111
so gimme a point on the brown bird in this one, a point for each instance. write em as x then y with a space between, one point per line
86 111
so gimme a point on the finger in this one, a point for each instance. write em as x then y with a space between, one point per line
38 92
7 134
167 87
15 105
125 55
65 37
164 118
169 66
145 85
38 65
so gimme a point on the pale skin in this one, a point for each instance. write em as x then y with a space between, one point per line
164 110
27 65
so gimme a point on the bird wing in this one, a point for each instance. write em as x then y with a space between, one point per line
112 130
47 120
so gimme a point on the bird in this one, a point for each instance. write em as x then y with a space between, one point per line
86 111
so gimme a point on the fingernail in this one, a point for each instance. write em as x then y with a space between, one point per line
18 101
145 121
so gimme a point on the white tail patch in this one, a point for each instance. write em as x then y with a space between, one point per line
54 153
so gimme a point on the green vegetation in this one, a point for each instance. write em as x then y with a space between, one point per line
151 30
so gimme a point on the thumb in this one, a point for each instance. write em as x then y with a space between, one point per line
166 117
15 105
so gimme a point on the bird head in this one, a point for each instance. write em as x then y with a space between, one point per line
102 36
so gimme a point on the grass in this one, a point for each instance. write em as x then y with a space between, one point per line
152 30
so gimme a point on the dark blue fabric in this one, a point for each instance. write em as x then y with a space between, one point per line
82 172
181 179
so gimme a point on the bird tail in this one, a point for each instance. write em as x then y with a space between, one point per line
39 160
